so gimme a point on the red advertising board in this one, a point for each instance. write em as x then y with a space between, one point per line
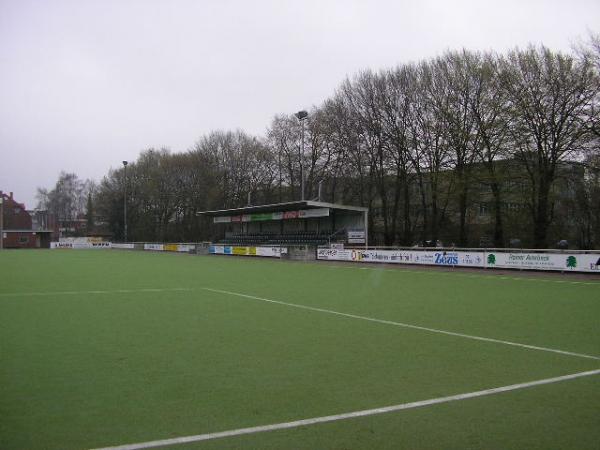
290 215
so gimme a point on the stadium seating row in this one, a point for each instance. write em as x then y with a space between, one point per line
305 237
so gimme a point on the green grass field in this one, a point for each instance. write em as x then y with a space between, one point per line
105 348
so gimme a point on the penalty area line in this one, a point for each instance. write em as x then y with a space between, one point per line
348 415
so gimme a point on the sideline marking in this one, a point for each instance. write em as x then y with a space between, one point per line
404 268
115 291
405 325
348 415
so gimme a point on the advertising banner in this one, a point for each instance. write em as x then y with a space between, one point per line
124 246
502 260
333 254
81 245
217 249
356 237
544 261
61 245
428 257
439 258
101 244
170 247
273 252
258 217
584 263
317 212
154 247
290 215
185 248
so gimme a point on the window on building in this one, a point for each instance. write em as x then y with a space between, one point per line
513 207
23 239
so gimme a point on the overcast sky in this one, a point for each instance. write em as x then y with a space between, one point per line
87 84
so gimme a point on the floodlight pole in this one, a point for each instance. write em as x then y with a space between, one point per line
125 203
320 186
302 115
366 219
1 221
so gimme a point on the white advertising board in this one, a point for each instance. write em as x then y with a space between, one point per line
273 252
155 247
356 237
428 257
87 245
100 245
61 245
544 261
502 260
80 245
185 248
586 263
334 254
437 258
317 212
124 246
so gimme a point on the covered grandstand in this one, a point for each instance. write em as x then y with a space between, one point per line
300 222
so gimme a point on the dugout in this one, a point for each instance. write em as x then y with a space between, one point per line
299 222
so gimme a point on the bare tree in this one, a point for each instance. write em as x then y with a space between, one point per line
451 92
396 106
68 199
346 170
366 98
430 153
490 111
549 95
283 138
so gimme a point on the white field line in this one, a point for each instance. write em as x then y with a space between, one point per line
92 292
405 325
348 415
403 268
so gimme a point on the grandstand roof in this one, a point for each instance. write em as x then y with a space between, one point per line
287 206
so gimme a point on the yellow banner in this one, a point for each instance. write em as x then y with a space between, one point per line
239 250
170 247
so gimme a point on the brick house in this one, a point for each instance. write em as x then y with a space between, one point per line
20 229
